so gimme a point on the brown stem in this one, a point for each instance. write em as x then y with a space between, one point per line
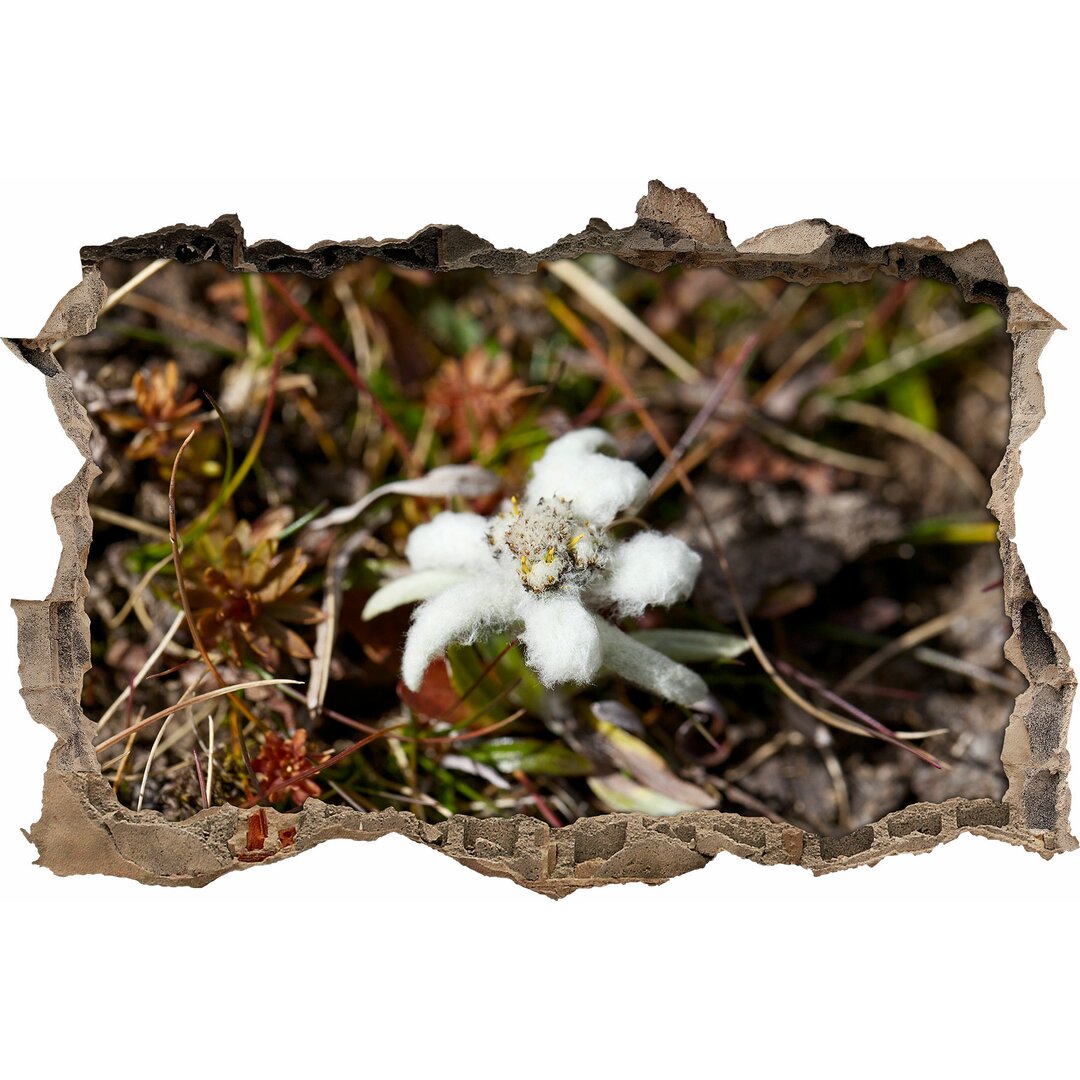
541 803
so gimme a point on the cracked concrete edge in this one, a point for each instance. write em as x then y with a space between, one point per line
83 828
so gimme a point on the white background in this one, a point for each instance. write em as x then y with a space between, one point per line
388 959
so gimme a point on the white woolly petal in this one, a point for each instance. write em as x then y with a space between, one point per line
574 443
483 604
408 589
648 668
597 486
561 641
649 570
450 541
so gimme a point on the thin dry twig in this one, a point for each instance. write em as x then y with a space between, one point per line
803 447
181 584
886 307
128 690
188 323
758 758
186 703
135 596
538 800
716 397
806 352
295 778
735 794
863 717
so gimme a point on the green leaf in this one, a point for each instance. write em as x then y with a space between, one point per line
256 326
952 531
531 756
693 646
648 668
452 329
911 396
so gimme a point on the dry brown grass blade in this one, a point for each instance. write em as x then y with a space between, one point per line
607 304
915 636
839 785
189 324
948 453
143 671
895 737
735 794
112 517
186 703
801 446
122 767
117 295
181 584
326 632
474 733
150 761
140 588
803 355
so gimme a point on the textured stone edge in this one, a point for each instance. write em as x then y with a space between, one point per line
83 829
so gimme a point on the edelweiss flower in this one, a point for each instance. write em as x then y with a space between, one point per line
543 569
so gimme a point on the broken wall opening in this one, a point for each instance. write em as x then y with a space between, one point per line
650 847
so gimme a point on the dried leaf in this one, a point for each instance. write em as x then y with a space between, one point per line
436 696
615 712
647 767
622 795
444 482
460 763
336 564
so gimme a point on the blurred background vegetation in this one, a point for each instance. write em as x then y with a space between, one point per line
839 438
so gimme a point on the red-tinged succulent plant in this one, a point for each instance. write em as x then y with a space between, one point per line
474 399
162 417
281 763
245 592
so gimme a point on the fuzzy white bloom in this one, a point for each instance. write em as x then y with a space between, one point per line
542 569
